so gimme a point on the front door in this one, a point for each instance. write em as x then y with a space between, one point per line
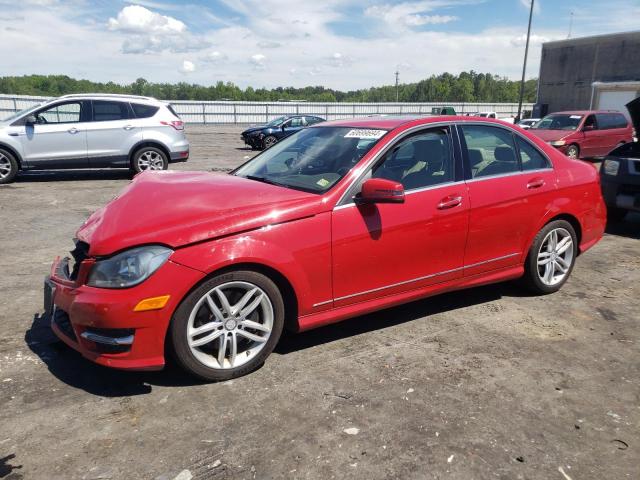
58 139
384 249
292 126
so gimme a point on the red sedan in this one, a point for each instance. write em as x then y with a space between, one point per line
338 220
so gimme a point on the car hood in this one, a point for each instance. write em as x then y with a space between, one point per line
550 135
179 208
254 129
634 112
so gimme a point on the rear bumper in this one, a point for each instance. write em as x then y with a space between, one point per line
101 323
182 156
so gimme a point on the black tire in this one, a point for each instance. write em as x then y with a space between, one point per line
531 277
180 324
615 215
269 141
8 167
573 151
159 158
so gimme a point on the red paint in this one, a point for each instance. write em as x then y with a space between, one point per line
340 262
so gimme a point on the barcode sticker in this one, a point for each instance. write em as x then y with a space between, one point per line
362 133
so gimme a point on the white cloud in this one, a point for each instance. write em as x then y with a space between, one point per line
187 67
534 40
411 14
138 19
417 20
214 57
258 61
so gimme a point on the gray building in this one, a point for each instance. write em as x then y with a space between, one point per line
600 72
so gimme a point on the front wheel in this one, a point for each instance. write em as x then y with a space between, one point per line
573 151
149 158
228 326
551 257
8 167
269 141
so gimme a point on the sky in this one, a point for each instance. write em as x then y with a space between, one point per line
342 44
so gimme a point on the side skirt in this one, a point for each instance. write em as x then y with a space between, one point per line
315 320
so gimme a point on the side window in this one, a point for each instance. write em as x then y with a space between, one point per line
296 122
104 111
144 111
422 160
312 120
490 151
530 157
591 122
61 113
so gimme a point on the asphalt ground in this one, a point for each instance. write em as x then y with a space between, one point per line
489 383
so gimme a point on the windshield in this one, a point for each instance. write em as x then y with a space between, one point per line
15 115
559 122
276 121
312 160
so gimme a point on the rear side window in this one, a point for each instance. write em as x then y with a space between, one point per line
491 151
607 121
104 111
144 111
312 120
530 157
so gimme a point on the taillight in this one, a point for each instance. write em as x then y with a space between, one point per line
177 124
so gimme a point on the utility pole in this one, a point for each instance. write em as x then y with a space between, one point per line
570 24
397 91
524 66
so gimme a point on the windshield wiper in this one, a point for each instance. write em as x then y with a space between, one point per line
266 180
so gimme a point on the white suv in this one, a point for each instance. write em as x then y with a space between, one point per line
92 131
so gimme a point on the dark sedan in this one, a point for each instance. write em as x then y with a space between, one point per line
265 136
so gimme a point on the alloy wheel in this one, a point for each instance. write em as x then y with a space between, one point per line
555 256
269 142
150 160
230 325
5 166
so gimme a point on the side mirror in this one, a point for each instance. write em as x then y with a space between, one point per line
380 190
30 120
588 128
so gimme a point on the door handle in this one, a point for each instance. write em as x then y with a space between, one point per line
73 130
535 183
449 202
128 127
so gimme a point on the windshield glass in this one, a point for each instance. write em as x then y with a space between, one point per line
276 121
312 160
559 122
13 116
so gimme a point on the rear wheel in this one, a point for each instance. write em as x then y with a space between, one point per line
149 158
551 257
573 151
228 326
8 167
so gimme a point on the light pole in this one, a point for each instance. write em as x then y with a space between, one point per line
397 91
524 66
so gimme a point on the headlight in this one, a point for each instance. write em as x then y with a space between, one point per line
611 167
128 268
557 143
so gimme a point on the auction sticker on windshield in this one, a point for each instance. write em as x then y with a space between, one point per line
365 133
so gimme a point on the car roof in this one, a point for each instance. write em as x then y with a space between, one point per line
391 123
112 96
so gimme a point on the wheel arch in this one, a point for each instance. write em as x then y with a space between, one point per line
13 152
149 143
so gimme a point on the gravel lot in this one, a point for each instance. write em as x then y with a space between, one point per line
487 383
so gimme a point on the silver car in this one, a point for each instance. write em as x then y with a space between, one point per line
92 131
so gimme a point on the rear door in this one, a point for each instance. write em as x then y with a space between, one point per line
59 138
111 134
507 195
615 130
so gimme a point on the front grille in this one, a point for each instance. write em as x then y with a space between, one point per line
61 319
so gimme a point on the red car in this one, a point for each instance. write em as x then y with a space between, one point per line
340 219
584 134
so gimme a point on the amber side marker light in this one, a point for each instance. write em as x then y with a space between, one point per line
153 303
